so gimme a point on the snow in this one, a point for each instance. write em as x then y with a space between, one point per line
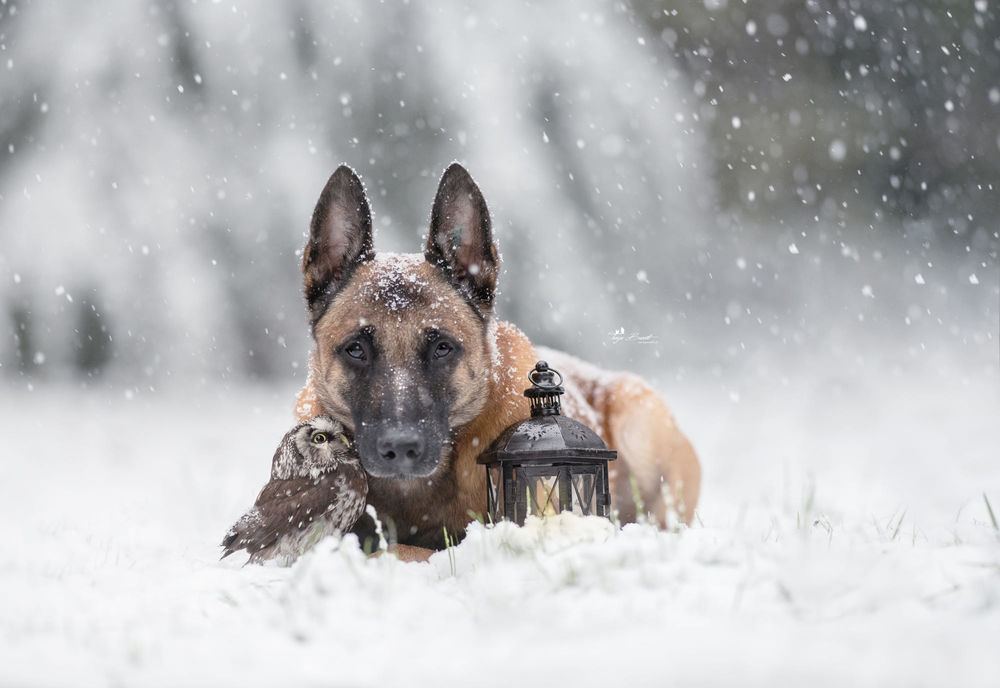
842 538
394 280
274 98
838 150
840 383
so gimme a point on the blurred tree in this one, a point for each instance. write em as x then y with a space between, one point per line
167 156
93 338
887 105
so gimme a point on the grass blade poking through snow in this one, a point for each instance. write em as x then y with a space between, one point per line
989 508
450 543
899 524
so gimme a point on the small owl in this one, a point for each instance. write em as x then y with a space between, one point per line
317 488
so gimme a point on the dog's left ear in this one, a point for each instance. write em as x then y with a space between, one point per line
461 238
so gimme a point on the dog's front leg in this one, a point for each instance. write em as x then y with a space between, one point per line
410 553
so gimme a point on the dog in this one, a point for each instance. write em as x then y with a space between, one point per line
409 357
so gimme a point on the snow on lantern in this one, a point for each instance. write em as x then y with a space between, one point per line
548 463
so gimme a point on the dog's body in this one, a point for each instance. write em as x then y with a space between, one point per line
409 357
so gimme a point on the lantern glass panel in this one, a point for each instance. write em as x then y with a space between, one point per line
583 493
494 492
546 490
543 495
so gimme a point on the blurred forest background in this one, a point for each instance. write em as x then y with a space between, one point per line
676 187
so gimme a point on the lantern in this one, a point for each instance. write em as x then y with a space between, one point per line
548 463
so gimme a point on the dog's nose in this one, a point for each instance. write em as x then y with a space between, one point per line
401 443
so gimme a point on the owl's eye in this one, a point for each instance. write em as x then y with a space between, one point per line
320 438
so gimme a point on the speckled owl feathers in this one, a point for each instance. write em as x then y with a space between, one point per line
317 488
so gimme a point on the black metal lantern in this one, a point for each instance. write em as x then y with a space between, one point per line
548 463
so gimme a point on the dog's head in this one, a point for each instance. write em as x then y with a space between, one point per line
402 341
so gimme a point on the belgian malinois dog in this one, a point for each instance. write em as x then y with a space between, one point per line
409 357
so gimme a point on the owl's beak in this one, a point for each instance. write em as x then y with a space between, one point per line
345 439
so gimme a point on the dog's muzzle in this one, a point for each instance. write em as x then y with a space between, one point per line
400 451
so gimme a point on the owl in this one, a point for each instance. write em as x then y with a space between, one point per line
317 488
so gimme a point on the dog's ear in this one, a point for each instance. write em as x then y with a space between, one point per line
461 238
340 237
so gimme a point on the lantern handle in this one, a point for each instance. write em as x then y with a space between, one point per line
540 368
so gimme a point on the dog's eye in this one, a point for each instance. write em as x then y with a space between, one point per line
355 351
443 349
320 438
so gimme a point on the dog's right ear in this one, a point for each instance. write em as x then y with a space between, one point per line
340 237
460 241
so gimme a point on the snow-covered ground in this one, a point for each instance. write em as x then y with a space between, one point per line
843 539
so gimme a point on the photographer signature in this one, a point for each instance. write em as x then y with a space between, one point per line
620 335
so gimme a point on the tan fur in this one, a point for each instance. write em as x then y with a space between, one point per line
635 421
423 300
409 553
620 407
398 305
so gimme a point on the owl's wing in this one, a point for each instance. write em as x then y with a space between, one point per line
288 505
240 536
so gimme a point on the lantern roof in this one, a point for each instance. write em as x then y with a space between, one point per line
547 436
